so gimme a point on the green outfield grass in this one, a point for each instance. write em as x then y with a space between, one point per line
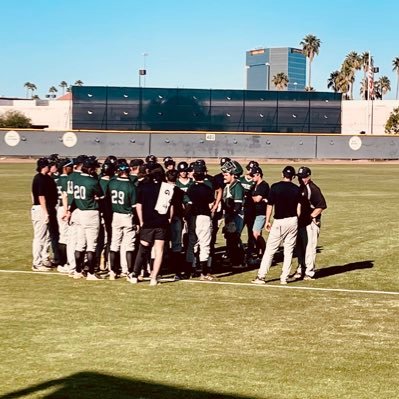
64 338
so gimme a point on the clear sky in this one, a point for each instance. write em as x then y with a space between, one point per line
191 44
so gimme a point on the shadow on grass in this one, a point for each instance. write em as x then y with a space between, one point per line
86 385
331 270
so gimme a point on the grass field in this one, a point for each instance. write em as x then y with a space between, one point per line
335 337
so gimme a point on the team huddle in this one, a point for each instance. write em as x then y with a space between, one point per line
132 219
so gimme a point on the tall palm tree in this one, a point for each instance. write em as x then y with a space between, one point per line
30 87
310 47
352 63
63 86
52 89
332 81
395 64
78 83
280 81
382 86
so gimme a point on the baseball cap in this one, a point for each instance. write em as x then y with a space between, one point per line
289 172
254 170
79 159
182 166
111 159
303 172
63 163
224 160
199 167
191 167
169 161
136 162
123 167
91 162
151 158
252 164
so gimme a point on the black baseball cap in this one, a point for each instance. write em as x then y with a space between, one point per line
136 162
252 164
182 166
63 163
79 159
254 170
223 160
289 172
303 172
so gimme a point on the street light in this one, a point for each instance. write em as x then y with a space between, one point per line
267 64
143 71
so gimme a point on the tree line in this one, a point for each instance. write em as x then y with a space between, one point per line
31 88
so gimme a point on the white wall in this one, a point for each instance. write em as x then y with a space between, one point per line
57 114
356 116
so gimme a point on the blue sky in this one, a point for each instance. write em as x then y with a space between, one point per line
191 44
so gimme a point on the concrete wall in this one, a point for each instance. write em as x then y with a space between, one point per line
199 145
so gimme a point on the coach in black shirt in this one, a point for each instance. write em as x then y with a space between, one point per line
44 216
285 198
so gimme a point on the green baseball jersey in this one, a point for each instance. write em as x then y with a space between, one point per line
123 195
86 192
70 183
62 185
234 191
247 184
184 186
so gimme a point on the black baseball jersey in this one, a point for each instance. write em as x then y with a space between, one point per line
285 196
311 198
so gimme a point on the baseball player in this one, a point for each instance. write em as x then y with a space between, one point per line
249 207
66 167
312 205
86 193
201 199
233 198
259 193
284 198
73 217
122 194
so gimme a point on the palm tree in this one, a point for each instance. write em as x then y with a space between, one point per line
280 81
382 86
52 89
352 63
395 64
30 87
310 47
78 83
63 86
332 82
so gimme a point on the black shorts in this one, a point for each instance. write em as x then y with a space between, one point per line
151 234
